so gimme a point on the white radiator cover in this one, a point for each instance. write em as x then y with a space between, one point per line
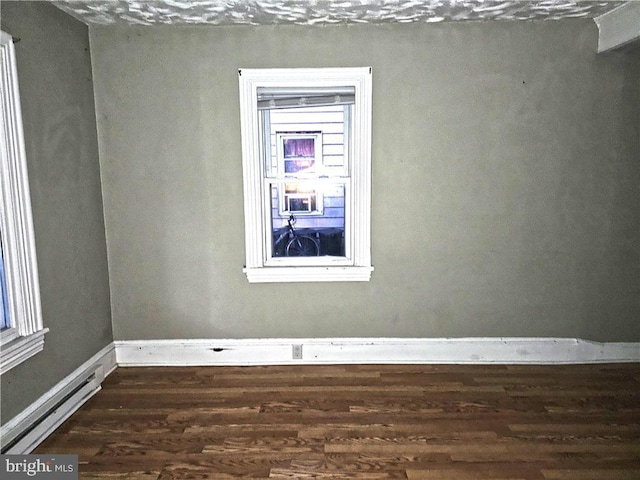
27 430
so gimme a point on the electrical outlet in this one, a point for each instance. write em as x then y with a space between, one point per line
297 352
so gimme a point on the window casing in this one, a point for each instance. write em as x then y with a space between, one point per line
23 337
306 148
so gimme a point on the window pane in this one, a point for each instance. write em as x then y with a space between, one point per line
308 219
299 155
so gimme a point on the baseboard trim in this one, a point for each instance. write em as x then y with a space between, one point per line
201 352
27 430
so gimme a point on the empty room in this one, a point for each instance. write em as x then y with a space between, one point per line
375 239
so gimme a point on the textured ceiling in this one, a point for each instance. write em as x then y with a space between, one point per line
310 12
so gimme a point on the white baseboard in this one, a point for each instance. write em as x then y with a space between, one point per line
372 350
28 429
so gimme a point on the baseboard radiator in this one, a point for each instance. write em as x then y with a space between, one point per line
50 416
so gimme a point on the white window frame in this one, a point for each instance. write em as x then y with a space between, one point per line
25 337
356 265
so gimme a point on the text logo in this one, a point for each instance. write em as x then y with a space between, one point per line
50 467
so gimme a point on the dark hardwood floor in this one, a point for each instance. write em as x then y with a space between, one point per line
411 422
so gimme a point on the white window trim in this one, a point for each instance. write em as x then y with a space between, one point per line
25 338
258 268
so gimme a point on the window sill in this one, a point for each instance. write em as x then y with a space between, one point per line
308 274
16 351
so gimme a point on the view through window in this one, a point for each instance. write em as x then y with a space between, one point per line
306 146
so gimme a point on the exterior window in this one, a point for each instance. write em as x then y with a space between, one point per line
299 156
306 148
22 332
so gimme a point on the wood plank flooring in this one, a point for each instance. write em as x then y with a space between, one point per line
440 422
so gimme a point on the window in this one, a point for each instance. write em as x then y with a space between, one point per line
306 153
299 156
22 332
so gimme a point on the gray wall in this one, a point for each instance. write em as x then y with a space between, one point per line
513 147
54 71
505 182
